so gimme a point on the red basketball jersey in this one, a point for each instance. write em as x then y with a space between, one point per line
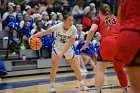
114 26
130 14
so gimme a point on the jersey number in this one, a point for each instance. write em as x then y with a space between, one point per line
112 21
63 40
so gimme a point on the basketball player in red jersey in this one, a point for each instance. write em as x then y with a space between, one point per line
108 26
129 41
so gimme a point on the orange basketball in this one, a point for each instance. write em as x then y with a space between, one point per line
35 43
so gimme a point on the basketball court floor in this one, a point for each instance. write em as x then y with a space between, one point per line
65 83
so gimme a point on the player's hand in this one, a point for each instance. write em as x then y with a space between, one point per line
85 46
30 39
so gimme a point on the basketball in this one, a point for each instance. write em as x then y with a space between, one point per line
35 43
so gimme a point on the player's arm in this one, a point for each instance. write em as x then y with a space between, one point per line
90 34
70 42
92 30
40 34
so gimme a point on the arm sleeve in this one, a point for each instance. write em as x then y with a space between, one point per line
54 28
32 32
4 16
96 21
21 24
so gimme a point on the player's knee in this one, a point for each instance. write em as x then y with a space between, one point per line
54 68
75 67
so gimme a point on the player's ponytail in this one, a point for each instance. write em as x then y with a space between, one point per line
106 10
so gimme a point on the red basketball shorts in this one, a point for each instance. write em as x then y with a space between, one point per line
107 49
128 48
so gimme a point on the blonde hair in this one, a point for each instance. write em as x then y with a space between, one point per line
106 10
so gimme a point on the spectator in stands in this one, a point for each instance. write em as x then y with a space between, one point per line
36 18
39 28
61 6
60 17
25 28
81 64
78 12
58 6
18 9
43 3
19 15
77 52
79 30
33 3
9 16
87 21
50 8
22 3
29 12
86 54
90 8
3 5
53 20
96 43
50 1
96 2
45 19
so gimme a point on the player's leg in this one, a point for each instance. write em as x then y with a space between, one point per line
81 63
55 63
74 65
128 46
87 59
92 63
134 73
99 76
94 58
134 78
118 66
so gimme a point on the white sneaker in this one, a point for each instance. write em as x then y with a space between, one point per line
53 90
83 88
14 53
83 70
124 90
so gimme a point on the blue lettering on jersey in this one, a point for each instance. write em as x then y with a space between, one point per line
63 38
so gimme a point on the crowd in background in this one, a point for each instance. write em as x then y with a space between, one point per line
32 16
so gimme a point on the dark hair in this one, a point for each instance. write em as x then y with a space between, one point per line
106 10
80 3
24 15
38 21
66 15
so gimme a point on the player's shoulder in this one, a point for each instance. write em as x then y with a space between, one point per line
73 27
60 24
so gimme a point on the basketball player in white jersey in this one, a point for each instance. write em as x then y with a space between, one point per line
65 36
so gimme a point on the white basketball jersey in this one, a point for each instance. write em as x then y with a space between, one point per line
62 36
